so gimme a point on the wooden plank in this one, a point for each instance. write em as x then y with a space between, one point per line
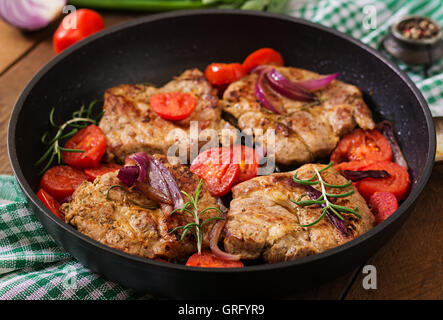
17 76
410 266
15 44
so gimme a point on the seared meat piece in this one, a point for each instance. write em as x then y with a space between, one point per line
123 223
307 130
131 126
263 222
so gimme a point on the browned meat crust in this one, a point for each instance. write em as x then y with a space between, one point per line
306 131
121 224
131 126
263 222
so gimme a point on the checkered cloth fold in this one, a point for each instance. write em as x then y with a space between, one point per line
33 266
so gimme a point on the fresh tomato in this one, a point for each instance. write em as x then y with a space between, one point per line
103 168
369 145
383 205
93 143
50 203
173 105
397 184
61 181
208 260
216 168
247 160
75 27
356 165
262 56
223 73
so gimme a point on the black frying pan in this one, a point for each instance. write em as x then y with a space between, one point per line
155 48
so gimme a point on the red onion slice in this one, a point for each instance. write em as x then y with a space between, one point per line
214 237
287 88
357 175
128 175
261 94
142 161
386 128
315 84
172 188
152 178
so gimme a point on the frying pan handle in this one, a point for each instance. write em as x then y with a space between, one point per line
438 122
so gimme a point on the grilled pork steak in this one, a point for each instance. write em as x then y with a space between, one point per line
123 223
307 130
263 222
130 125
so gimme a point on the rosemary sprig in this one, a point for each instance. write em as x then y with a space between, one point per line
126 199
323 200
191 208
80 119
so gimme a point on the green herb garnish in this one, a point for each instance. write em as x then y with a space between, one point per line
80 119
191 208
323 200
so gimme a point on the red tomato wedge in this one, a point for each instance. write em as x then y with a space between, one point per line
75 27
383 205
93 143
61 181
102 168
50 203
173 105
397 184
359 145
262 56
247 160
215 167
224 73
208 260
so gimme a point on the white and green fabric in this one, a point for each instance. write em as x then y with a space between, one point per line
33 266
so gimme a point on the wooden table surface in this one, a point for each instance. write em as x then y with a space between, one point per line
408 267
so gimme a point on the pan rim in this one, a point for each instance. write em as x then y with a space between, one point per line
422 181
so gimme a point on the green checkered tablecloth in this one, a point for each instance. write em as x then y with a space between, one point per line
33 266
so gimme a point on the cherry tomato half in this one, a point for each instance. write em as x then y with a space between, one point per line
247 160
224 73
61 181
383 205
93 143
215 167
102 169
173 105
397 184
75 27
361 145
262 56
208 260
50 203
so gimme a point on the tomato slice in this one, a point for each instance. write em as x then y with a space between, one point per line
248 161
173 105
87 22
383 205
397 184
93 143
50 203
209 260
102 169
215 167
224 73
360 145
262 56
61 181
